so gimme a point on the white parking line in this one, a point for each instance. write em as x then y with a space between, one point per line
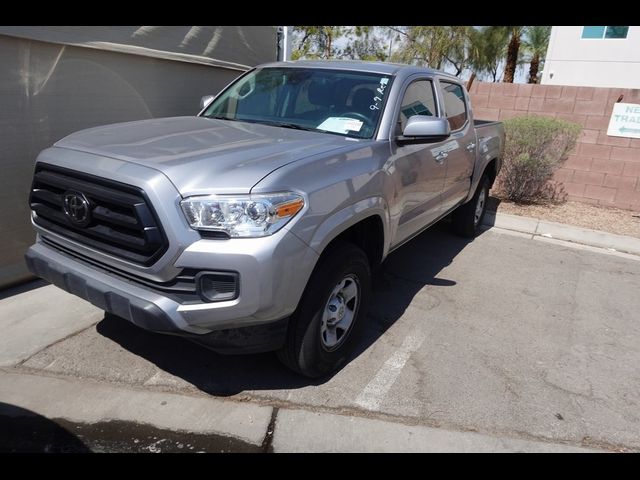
373 394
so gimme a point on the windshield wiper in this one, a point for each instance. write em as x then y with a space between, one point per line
221 117
293 126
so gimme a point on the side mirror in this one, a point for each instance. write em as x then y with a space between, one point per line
205 101
425 129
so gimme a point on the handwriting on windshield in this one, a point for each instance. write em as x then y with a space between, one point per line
377 100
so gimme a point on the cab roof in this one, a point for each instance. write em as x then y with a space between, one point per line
385 68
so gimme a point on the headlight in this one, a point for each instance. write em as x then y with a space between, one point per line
242 216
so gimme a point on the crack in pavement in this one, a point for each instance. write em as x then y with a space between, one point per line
60 340
267 442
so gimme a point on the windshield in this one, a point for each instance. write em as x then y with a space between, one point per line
334 101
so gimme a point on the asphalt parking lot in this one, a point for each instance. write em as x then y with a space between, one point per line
505 336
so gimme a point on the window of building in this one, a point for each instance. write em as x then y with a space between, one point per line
616 32
454 105
605 32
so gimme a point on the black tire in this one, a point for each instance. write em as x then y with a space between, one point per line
304 351
464 221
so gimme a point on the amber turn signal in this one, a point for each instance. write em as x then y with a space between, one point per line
289 209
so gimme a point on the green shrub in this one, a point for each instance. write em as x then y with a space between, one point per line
535 148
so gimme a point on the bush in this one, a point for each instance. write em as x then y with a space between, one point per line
535 148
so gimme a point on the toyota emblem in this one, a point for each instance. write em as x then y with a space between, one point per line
77 209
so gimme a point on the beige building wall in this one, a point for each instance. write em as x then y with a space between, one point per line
601 170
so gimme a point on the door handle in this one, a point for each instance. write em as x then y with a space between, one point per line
440 157
471 146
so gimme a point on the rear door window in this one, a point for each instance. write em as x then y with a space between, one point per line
455 106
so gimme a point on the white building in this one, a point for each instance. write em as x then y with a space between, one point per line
593 56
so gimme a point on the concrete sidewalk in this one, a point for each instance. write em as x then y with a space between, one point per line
263 427
565 233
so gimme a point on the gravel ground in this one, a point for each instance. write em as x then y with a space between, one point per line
612 220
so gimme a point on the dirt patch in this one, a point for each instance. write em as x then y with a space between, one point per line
607 219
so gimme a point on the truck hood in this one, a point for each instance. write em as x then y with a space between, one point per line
200 155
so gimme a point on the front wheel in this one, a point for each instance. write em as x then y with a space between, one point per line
324 327
467 219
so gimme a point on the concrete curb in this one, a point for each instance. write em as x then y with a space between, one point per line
559 231
302 431
87 402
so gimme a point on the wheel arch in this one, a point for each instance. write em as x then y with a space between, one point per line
491 168
364 224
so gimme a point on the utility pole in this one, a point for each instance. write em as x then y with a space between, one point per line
284 43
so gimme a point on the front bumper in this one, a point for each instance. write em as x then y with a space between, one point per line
273 272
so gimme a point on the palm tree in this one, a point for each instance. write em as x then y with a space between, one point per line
512 52
536 43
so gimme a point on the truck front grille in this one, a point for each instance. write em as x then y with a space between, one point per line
103 214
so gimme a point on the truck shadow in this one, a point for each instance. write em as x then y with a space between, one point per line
405 272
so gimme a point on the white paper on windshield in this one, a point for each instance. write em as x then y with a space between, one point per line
341 125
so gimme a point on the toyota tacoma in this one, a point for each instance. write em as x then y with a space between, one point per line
255 225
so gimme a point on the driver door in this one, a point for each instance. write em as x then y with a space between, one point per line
417 175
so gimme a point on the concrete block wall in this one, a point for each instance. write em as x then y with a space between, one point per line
601 170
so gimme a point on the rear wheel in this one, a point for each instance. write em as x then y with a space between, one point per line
324 327
467 219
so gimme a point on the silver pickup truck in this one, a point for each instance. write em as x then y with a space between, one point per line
255 225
